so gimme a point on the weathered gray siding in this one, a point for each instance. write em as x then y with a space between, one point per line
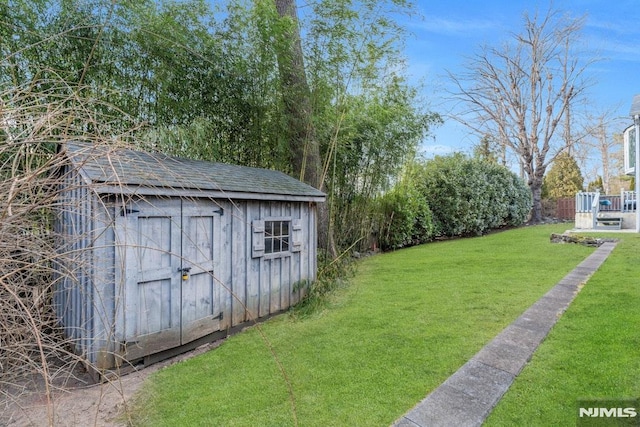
265 285
101 306
102 344
158 252
73 299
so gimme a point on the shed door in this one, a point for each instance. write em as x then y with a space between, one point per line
167 251
200 314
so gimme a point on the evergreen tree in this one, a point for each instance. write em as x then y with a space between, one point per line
596 185
486 150
564 179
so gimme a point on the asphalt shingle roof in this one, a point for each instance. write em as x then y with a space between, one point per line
635 106
118 166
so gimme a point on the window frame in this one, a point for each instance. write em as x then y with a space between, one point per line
277 240
296 242
629 150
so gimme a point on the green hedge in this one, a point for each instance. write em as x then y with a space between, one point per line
404 218
469 196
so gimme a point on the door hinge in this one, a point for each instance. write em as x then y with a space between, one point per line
220 211
126 211
219 316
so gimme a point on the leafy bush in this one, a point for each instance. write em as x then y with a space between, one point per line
404 218
469 196
517 198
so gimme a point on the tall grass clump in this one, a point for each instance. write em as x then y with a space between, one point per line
333 274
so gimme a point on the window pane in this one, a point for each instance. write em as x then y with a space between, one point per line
277 236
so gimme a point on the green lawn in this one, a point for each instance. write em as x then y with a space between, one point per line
593 352
408 320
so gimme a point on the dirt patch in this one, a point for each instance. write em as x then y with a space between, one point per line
76 402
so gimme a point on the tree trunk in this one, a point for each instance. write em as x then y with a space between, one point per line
304 146
536 194
604 152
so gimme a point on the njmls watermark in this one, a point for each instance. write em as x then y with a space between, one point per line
608 412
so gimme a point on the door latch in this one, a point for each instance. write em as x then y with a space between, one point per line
185 272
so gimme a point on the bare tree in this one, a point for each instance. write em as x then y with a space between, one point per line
598 137
521 92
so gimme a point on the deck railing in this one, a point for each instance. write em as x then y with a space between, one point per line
629 204
625 202
595 205
584 200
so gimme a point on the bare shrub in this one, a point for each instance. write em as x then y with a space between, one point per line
33 353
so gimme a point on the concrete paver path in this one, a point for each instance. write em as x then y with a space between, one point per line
467 397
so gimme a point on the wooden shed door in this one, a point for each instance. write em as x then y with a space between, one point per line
200 313
167 251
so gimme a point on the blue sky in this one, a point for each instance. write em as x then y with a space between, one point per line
448 31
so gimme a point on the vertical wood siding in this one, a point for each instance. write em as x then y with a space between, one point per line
109 300
73 298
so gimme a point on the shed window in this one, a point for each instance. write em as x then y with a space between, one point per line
277 235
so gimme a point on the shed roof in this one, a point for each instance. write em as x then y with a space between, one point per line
635 106
121 170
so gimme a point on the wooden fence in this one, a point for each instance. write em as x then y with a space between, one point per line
566 208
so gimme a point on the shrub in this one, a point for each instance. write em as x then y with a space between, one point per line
470 196
404 218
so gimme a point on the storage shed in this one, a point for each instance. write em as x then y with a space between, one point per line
159 254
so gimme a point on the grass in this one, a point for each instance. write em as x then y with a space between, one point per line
408 320
593 352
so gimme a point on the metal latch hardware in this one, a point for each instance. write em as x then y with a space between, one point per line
185 272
